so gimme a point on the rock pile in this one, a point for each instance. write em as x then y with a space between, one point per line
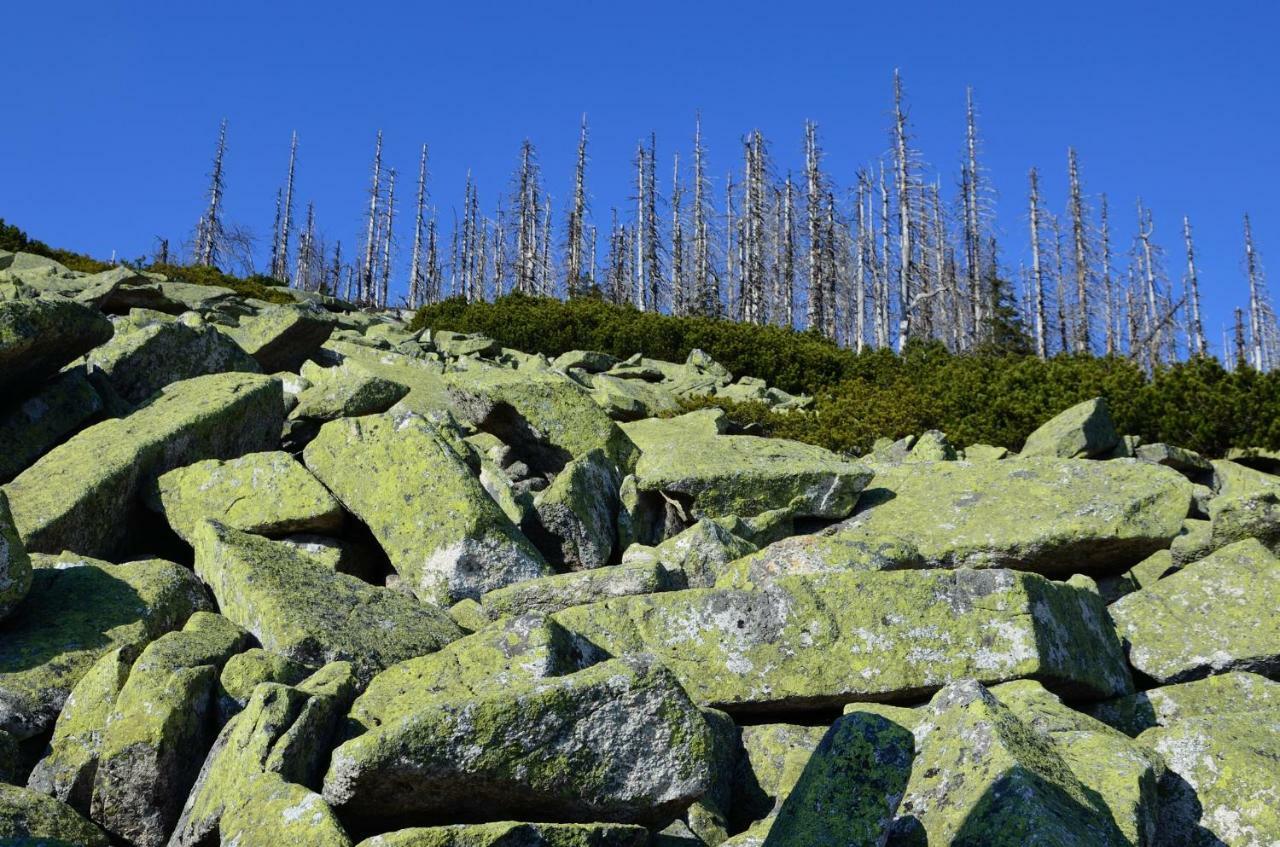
293 574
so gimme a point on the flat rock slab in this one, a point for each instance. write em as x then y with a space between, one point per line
77 610
1235 692
823 641
1050 516
514 834
1214 615
281 338
304 611
80 495
37 337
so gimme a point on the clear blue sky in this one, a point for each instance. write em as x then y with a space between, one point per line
113 107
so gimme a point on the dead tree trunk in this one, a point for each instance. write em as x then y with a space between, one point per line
1037 271
1195 329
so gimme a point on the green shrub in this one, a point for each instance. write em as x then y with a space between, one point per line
257 286
15 240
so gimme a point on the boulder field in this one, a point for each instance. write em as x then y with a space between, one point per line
277 574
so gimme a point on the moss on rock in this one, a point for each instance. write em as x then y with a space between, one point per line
42 421
1084 431
514 834
30 818
39 336
15 564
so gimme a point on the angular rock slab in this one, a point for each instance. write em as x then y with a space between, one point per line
444 534
346 390
15 564
515 834
1214 615
982 776
826 640
266 493
306 612
617 742
1082 432
281 338
80 495
31 819
1234 692
575 518
42 421
78 610
1050 516
37 337
552 593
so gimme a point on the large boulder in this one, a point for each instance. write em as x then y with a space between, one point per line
31 819
156 735
35 425
1234 692
552 593
281 338
81 495
266 493
617 742
699 556
1215 615
982 776
688 465
245 671
574 520
444 534
516 834
302 610
826 640
15 564
77 610
1051 516
346 390
1084 431
427 395
37 337
149 352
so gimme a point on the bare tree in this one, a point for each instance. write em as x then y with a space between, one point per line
366 281
1107 288
209 232
1037 271
577 218
389 214
280 258
1195 329
417 270
1256 307
1080 261
528 206
706 290
903 180
787 273
304 270
815 193
679 291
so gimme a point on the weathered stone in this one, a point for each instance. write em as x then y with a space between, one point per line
1237 517
81 495
563 747
424 379
145 355
514 834
37 337
1232 478
243 673
697 557
1192 544
9 758
1051 516
156 735
830 551
984 453
932 446
542 414
552 593
15 564
1221 784
35 425
266 493
1234 692
281 338
253 789
346 390
721 475
77 610
31 819
1084 431
826 640
442 532
587 360
982 776
306 612
631 399
172 297
458 344
1215 615
574 519
1186 462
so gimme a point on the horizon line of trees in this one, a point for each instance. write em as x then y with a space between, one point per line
878 263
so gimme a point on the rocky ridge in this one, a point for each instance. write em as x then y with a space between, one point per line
293 574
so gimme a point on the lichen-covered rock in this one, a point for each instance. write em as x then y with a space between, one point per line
424 379
68 769
460 344
630 399
1082 432
617 742
830 639
1051 516
1192 544
77 610
346 390
514 834
697 557
1190 464
254 786
1240 516
1222 778
588 360
37 337
443 533
772 757
31 819
552 593
155 737
542 413
81 494
266 493
144 355
714 475
243 673
932 446
982 776
281 338
574 520
306 612
1124 774
1235 692
832 550
35 425
9 758
1215 615
15 564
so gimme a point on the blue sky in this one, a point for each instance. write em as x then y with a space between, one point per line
113 112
